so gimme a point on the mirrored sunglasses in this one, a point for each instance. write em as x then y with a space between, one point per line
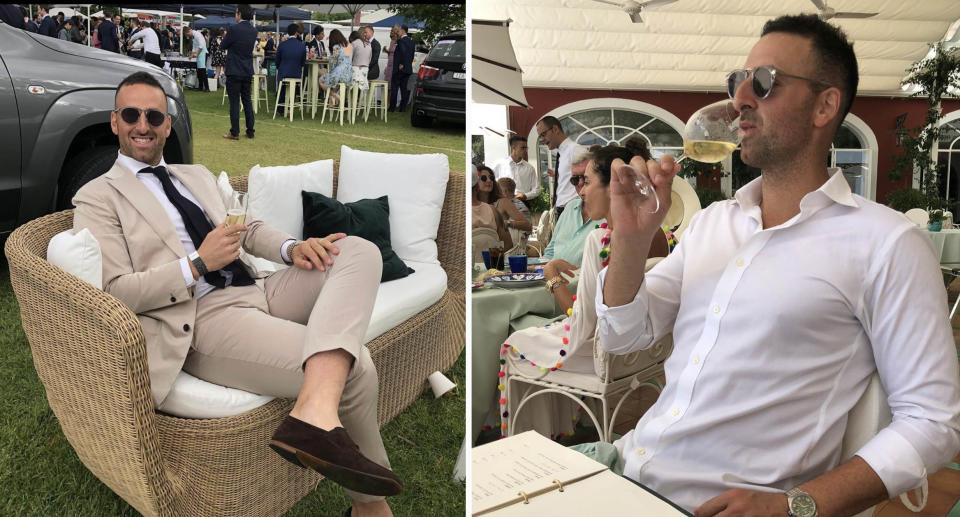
763 80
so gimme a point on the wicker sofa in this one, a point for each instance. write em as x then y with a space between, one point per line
90 355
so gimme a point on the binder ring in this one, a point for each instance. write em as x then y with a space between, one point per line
559 484
524 496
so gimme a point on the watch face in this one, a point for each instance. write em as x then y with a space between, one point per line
803 505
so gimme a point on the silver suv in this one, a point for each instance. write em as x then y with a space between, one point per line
55 104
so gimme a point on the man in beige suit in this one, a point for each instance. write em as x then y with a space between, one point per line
296 333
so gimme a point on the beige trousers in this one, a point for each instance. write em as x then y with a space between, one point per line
257 338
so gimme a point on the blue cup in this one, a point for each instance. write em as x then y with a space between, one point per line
486 258
518 263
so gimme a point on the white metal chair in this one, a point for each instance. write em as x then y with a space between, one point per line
483 239
614 378
918 216
865 420
684 203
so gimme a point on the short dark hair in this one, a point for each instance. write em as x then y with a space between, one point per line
603 156
291 29
107 13
405 28
834 53
551 121
139 78
517 138
134 21
246 12
317 30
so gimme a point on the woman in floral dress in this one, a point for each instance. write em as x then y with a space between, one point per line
341 65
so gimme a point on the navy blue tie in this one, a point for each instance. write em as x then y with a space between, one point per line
198 227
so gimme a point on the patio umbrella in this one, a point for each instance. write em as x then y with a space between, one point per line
497 77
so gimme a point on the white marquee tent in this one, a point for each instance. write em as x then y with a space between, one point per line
690 45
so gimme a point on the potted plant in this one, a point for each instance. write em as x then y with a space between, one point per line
935 223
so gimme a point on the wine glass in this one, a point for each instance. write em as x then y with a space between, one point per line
237 215
710 135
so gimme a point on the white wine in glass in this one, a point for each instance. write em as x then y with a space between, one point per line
235 216
712 133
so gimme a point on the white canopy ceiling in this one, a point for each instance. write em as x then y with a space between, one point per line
690 45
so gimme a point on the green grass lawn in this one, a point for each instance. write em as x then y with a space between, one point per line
281 142
41 475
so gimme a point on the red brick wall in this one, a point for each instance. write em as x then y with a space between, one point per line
879 113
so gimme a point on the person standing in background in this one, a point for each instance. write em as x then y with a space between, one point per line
48 27
200 52
291 55
133 50
151 45
65 31
391 50
238 44
373 72
402 68
108 33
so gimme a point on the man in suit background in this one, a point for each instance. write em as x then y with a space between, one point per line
271 45
48 27
319 49
374 71
291 55
169 257
402 68
108 33
238 44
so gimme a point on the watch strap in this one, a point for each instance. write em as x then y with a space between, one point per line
198 263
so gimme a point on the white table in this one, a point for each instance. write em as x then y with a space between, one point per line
947 244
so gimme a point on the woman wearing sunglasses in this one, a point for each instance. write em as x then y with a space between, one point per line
567 345
485 194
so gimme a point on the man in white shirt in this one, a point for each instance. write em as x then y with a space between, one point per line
151 45
551 134
517 168
783 303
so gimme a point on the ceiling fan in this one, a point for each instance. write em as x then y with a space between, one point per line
634 8
826 12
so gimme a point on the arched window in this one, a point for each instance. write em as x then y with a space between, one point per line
948 159
614 121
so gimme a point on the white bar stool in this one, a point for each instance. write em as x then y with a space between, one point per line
290 103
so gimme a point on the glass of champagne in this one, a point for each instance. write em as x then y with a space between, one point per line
710 135
237 213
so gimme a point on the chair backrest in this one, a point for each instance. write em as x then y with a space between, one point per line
918 216
484 239
684 204
866 419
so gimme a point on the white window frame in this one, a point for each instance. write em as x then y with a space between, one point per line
862 130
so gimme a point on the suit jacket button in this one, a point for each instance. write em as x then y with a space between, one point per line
186 327
173 299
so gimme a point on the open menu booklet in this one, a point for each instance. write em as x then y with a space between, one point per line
529 474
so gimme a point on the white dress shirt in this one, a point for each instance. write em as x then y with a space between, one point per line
150 41
777 332
566 191
526 178
152 182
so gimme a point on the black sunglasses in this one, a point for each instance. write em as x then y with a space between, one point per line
132 115
577 179
764 78
485 178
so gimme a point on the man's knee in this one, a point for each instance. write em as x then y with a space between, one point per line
359 249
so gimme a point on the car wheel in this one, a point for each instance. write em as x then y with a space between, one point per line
85 167
419 120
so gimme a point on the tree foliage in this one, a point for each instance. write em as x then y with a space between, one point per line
438 19
934 77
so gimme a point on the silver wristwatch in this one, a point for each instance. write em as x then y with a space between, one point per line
198 263
800 504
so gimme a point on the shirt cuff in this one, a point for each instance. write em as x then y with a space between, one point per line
187 272
895 460
285 250
623 317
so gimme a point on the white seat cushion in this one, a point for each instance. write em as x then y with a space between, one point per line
190 397
401 299
77 253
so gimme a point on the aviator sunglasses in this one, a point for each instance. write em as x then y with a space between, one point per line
764 78
132 115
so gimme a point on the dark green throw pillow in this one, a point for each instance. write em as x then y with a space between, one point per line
367 218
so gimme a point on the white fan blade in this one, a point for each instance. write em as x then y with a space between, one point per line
820 5
636 18
855 15
651 3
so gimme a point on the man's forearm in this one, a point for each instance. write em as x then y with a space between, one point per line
846 490
625 272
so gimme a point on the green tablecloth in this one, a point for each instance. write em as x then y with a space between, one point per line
493 311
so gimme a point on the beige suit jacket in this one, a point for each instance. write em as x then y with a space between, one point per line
141 253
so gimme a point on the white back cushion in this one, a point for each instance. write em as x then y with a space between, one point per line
414 184
77 253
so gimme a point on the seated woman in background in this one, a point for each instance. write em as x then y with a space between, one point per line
341 66
568 344
516 215
485 193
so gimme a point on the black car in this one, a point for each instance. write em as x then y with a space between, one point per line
441 83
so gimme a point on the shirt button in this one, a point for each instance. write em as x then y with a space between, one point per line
696 360
740 262
676 412
186 327
641 451
716 309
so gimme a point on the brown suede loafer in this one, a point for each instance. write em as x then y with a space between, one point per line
333 454
228 136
